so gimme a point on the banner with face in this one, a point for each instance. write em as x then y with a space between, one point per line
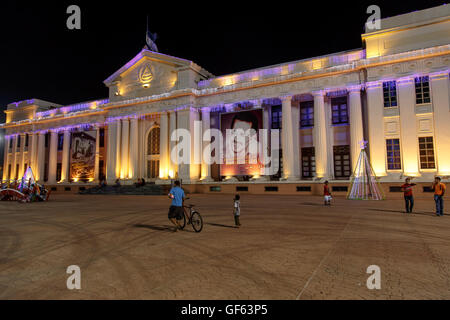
82 155
240 133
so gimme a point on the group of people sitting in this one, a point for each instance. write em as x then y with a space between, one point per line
139 183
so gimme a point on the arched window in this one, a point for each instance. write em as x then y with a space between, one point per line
153 153
153 142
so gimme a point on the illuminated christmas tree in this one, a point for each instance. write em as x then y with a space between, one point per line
364 184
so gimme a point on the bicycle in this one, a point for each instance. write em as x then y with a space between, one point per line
193 217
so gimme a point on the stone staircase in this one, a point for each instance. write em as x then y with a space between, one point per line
148 189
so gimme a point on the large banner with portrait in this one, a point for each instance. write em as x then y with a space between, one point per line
240 121
82 155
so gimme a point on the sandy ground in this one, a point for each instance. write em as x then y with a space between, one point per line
289 247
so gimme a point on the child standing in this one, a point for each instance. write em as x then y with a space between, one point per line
327 194
408 194
237 210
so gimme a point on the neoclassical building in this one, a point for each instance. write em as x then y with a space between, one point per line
393 93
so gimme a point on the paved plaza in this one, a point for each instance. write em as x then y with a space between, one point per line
289 247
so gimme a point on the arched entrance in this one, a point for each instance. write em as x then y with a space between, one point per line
152 154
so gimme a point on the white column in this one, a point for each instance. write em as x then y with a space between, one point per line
377 144
65 172
134 152
32 150
408 132
5 161
125 148
287 138
118 147
14 158
53 157
111 146
441 108
21 157
296 141
173 168
40 158
25 153
186 119
97 154
320 135
206 125
164 154
266 125
356 124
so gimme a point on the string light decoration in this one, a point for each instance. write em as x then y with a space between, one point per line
364 184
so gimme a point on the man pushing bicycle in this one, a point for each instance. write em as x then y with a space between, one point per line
176 209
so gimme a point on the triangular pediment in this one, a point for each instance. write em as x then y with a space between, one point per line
150 73
151 58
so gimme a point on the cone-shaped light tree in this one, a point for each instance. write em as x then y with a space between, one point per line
364 184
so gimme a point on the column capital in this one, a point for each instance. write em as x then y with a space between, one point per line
318 93
440 75
405 80
286 98
374 85
354 89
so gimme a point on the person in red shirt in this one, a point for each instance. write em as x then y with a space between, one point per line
408 194
327 194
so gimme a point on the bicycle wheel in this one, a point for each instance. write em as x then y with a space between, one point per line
197 221
182 221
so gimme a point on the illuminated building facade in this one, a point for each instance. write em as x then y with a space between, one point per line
394 93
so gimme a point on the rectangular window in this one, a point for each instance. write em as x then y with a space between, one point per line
17 172
422 90
9 171
27 137
339 110
307 114
46 172
342 165
308 163
426 150
60 141
394 161
58 171
101 173
152 169
390 94
10 143
18 141
102 137
25 167
47 139
276 117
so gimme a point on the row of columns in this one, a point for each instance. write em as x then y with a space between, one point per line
122 151
35 156
290 136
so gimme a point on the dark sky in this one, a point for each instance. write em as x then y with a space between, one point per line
41 58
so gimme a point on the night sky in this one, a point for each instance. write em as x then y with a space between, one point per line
41 58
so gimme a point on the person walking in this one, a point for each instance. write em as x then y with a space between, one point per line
237 210
439 191
408 194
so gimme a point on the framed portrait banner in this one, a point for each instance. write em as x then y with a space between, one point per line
82 155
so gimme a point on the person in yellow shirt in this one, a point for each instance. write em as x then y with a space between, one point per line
439 191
